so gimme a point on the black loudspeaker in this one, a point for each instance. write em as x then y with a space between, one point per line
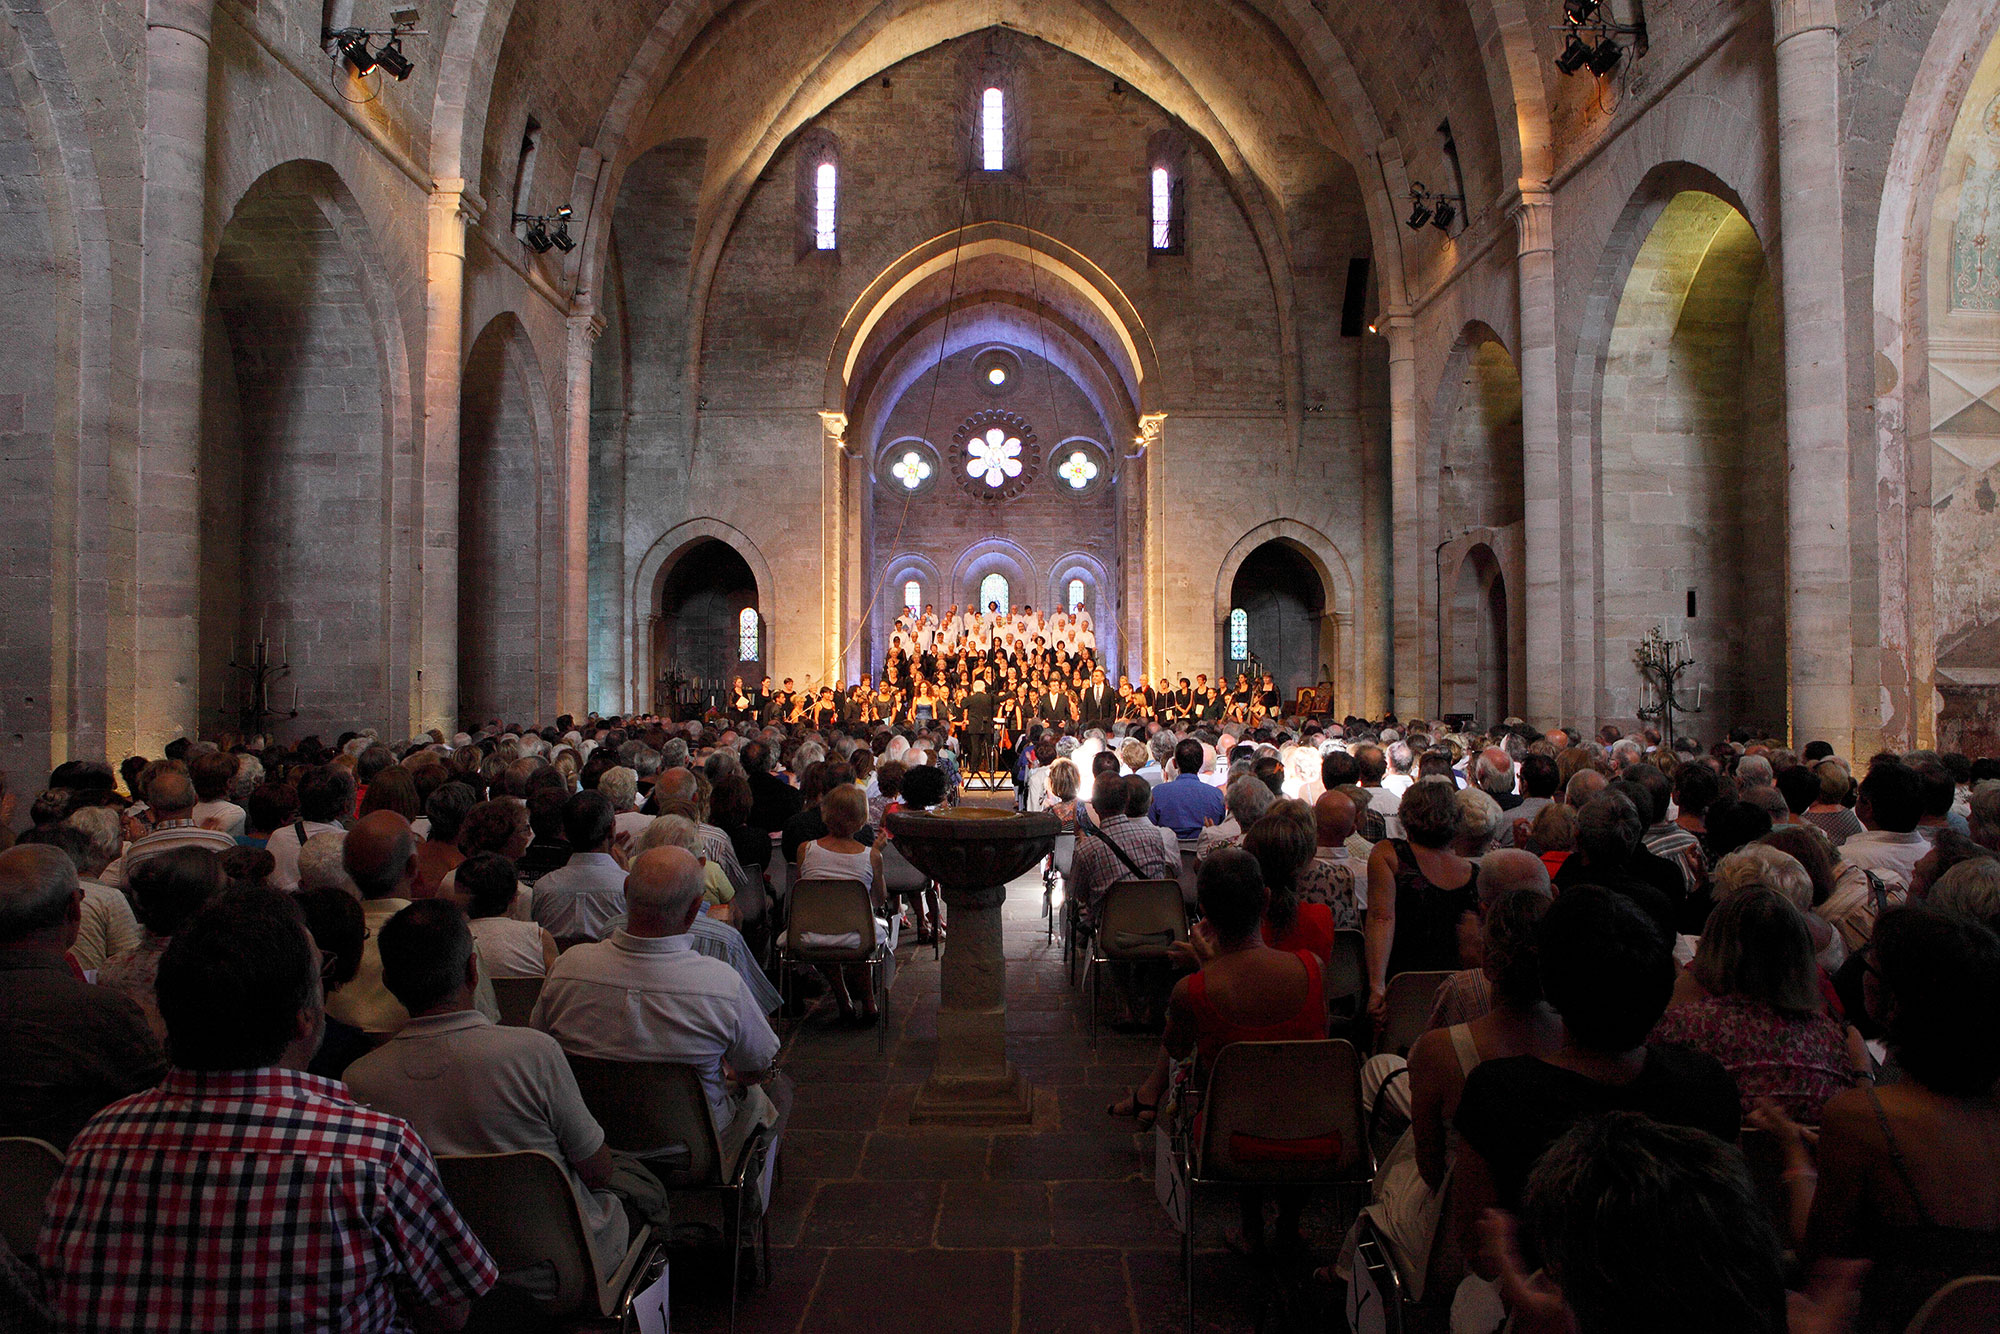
1354 305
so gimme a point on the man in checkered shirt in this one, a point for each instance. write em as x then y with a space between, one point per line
243 1193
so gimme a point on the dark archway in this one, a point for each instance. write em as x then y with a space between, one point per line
703 634
1284 606
1476 678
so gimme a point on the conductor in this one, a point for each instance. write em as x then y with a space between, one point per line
980 708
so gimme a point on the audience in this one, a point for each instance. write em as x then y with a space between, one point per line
1418 890
576 901
507 946
167 890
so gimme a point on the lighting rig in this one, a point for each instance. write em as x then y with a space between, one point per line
1592 38
355 45
541 237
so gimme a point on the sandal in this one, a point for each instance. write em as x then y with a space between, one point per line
1144 1112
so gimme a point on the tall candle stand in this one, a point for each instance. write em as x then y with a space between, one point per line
260 673
1662 662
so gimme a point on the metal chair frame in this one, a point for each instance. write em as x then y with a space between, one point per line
844 898
1130 901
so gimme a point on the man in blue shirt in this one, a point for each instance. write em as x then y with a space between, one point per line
1187 805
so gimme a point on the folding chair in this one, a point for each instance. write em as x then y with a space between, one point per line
28 1172
1406 1296
516 997
658 1111
524 1213
1061 856
1285 1114
1139 920
1347 981
902 879
1409 1009
1189 875
829 908
1962 1305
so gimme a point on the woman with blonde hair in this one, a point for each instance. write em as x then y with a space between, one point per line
839 856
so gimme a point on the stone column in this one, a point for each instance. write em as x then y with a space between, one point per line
165 662
573 687
452 209
1541 465
1819 604
833 542
1406 525
1150 451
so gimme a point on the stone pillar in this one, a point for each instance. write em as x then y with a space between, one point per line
165 661
1541 466
833 542
452 209
573 686
1819 605
1150 450
1406 525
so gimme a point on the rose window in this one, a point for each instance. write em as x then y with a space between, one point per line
994 457
911 470
1078 470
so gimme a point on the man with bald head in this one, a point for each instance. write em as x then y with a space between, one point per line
1468 993
1330 877
380 854
67 1048
170 803
646 994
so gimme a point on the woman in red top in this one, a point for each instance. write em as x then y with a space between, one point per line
1284 841
1245 992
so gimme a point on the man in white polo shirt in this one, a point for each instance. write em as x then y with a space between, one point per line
646 994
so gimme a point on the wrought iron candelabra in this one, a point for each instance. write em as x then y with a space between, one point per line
260 674
1662 662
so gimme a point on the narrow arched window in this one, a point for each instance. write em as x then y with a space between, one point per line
992 589
993 130
1163 209
746 635
826 201
1239 635
913 596
1075 596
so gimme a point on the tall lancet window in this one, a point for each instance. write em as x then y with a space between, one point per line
1163 209
913 596
1075 596
746 635
993 588
826 210
993 130
1239 635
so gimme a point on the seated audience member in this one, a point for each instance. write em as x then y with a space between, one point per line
507 947
646 994
438 854
468 1085
1418 890
1185 804
66 1047
809 823
170 803
1845 897
1409 1185
107 927
1608 970
680 831
1970 889
1763 1015
717 939
1467 993
1245 992
620 787
380 857
1610 856
1552 837
729 809
1890 805
339 932
1909 1174
326 798
1059 799
268 807
1245 800
168 890
393 789
550 851
291 1206
213 773
839 855
1095 867
1283 843
1710 1259
1983 815
498 826
1335 876
925 788
576 901
1539 784
1832 808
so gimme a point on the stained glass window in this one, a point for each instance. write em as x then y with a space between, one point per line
826 197
1078 470
994 457
1163 209
911 470
746 635
913 596
993 588
1075 596
992 129
1239 635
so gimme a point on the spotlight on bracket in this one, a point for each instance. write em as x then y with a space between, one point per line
354 45
1430 209
1590 38
541 237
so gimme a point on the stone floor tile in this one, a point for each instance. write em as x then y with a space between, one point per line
994 1213
932 1155
872 1213
1122 1214
1079 1292
915 1292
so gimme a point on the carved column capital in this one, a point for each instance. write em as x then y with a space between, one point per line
1534 218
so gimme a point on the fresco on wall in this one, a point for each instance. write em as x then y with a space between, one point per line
1975 239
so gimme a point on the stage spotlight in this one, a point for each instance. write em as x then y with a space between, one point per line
1420 215
353 46
560 237
538 237
392 60
1581 11
1605 56
1443 215
1575 55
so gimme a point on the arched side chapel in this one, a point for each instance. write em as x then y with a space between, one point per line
1690 345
